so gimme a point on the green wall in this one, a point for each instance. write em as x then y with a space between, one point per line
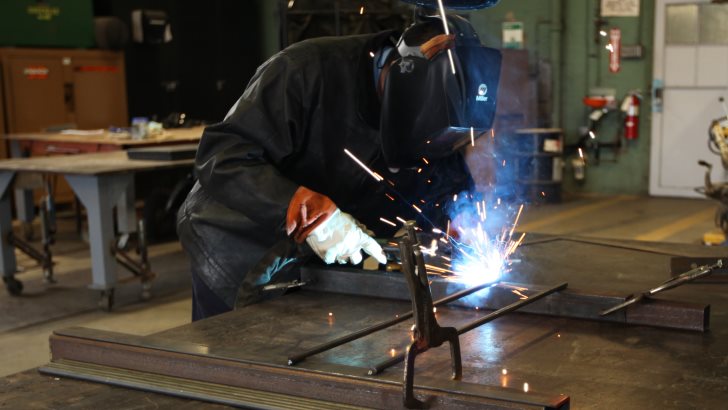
562 33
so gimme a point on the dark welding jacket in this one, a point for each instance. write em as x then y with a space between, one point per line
301 109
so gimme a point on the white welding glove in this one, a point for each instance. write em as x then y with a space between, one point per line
340 239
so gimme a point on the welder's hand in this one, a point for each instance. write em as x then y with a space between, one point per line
340 239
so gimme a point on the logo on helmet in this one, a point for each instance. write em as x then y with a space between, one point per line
482 91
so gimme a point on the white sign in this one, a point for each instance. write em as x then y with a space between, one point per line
620 8
513 34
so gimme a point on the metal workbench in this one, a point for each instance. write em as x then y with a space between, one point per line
101 181
238 356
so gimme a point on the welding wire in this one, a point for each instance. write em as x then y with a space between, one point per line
385 364
292 360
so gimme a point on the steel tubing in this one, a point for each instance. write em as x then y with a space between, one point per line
292 360
385 364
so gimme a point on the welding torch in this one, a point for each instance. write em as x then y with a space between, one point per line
678 280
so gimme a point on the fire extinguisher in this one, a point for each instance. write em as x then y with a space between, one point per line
631 109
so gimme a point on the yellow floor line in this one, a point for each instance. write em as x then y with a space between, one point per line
570 213
706 215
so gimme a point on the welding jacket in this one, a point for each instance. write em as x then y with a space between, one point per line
301 109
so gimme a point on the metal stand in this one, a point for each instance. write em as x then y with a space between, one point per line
140 268
427 332
44 257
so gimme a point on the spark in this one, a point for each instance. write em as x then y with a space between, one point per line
376 176
504 371
492 132
361 10
446 258
525 387
504 163
519 294
592 135
426 161
400 219
472 137
498 201
392 352
419 170
331 314
437 231
455 198
447 230
391 198
416 208
447 33
602 33
371 54
291 3
388 222
423 201
610 47
581 153
443 240
413 328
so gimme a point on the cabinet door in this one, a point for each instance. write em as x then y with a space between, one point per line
36 93
99 92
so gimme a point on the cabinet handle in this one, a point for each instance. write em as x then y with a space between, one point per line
68 96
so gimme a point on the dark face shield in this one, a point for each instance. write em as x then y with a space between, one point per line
455 4
427 111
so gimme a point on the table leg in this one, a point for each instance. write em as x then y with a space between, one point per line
8 265
99 194
126 211
24 206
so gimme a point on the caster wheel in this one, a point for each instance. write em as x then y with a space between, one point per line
14 286
146 291
106 302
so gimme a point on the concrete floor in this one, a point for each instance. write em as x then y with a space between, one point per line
26 346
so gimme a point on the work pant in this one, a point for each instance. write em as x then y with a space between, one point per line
231 256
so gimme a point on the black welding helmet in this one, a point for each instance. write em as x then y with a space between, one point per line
427 111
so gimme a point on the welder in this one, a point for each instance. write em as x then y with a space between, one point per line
275 185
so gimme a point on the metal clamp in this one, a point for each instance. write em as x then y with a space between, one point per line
427 332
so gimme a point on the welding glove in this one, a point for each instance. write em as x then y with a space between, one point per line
333 235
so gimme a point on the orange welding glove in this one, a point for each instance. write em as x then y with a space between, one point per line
440 42
307 210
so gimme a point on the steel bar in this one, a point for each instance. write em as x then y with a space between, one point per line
297 358
385 364
672 283
571 303
330 383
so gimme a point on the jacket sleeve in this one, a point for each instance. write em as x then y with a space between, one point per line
239 160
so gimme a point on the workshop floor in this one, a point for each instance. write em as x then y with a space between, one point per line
26 322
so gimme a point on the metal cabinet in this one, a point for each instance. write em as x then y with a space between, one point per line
49 87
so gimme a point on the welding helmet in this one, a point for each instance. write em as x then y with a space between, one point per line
429 111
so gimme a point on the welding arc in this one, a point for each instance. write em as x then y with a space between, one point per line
380 367
292 360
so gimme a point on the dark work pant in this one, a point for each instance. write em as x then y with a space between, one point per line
205 303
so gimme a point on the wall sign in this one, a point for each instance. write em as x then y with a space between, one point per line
615 49
620 8
513 34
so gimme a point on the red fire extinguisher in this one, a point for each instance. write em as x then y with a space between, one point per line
631 109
